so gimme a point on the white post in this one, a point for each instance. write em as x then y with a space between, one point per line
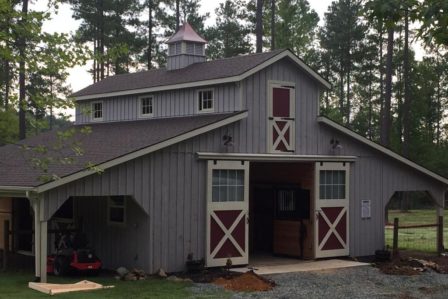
37 235
43 250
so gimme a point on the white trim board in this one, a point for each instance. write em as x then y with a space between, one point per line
136 154
273 157
279 56
382 149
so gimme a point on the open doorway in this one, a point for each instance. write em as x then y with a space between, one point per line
415 212
280 205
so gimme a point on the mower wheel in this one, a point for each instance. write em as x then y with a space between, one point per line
61 266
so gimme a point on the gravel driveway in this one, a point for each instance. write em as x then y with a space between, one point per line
358 282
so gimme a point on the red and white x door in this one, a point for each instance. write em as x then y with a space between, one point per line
332 207
281 118
227 213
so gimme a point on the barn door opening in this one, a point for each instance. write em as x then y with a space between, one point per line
281 117
332 206
227 213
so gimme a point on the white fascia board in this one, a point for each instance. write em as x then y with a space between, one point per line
274 157
142 152
16 191
281 55
382 149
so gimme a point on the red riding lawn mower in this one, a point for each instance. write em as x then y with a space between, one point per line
73 255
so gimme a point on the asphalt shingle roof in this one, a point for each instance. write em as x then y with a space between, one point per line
216 69
107 141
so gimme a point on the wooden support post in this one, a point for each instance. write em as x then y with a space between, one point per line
395 238
5 243
440 246
37 264
43 251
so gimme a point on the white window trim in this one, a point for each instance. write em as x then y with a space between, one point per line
92 112
281 84
140 114
213 101
110 204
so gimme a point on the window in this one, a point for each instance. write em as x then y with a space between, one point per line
205 103
332 184
116 210
146 106
227 185
286 201
97 110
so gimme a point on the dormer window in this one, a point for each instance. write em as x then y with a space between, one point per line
205 101
97 111
146 106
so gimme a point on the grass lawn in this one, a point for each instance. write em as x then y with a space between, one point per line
15 285
420 239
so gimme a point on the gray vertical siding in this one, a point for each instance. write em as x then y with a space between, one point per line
169 185
165 104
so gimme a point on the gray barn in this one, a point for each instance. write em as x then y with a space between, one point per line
187 153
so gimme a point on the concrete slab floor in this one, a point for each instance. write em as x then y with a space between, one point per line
285 265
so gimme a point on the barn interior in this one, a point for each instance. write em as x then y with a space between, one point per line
280 209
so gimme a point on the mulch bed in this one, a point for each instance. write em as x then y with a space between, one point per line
413 263
238 282
247 282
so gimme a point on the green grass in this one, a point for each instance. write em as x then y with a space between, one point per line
419 239
15 285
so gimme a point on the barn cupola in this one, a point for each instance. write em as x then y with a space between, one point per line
185 47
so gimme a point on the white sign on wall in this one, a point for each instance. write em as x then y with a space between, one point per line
365 209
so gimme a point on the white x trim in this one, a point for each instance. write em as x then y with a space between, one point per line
228 233
332 228
282 133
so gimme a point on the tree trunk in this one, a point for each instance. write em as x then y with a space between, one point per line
177 14
7 83
348 105
259 27
272 24
407 95
150 8
22 86
341 94
370 114
381 70
386 120
101 41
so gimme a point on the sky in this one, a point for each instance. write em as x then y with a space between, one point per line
62 22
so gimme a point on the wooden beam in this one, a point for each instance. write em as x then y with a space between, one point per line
37 264
395 238
43 250
5 244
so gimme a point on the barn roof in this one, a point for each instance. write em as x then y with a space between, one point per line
382 149
107 145
219 71
186 33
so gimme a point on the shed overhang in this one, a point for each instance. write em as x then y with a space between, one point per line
273 157
382 149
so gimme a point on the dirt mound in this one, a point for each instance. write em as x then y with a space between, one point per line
247 282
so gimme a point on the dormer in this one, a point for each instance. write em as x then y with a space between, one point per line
185 47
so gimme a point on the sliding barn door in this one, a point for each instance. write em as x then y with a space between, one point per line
281 118
227 213
332 207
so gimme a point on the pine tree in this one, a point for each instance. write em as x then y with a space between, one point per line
229 37
341 36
